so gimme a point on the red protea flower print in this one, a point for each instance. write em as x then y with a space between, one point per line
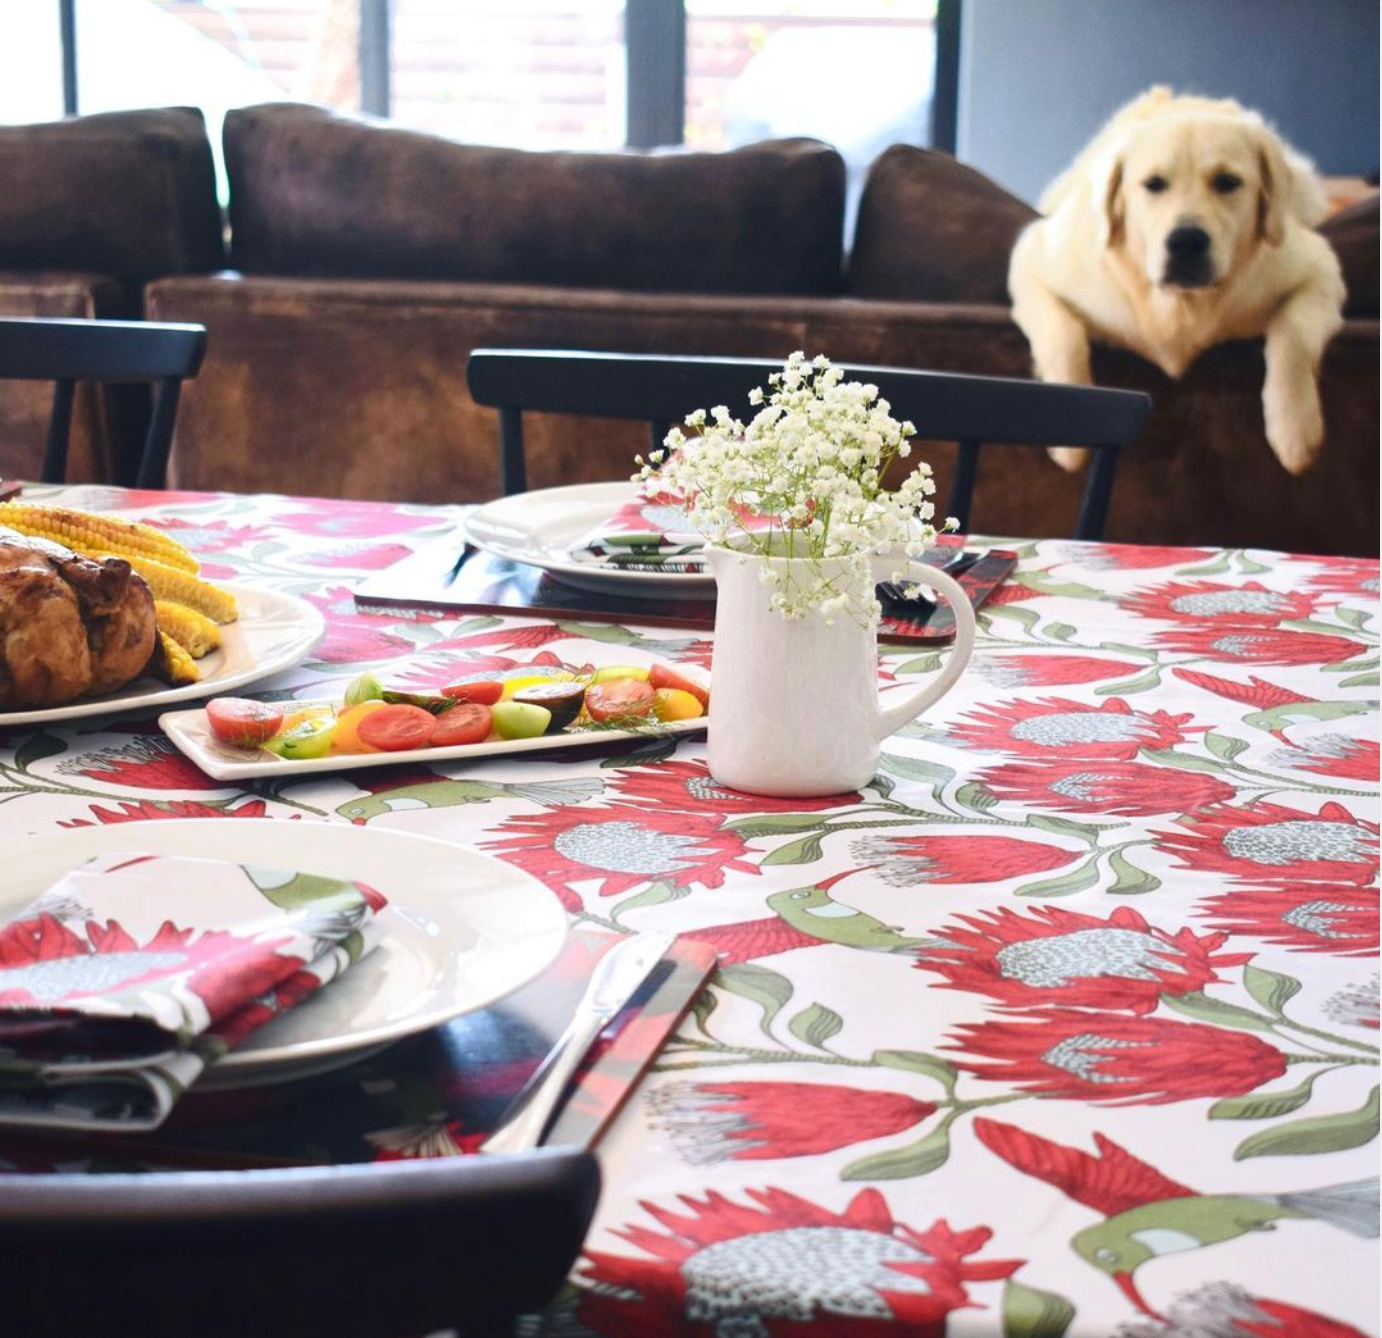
1057 727
1258 645
1224 1310
352 636
688 787
1355 1005
1083 1056
1249 604
620 847
1054 956
519 636
1132 788
143 764
1343 576
46 963
246 1019
426 1138
1039 670
906 861
781 1263
211 536
356 557
1255 692
1140 557
1272 841
1332 918
331 518
1333 755
758 1121
151 809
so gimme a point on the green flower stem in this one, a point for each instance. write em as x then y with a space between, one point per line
1331 1039
1337 1061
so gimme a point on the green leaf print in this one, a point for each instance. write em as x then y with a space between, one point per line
1270 988
1031 1313
768 989
1319 1134
919 1158
1224 746
1129 880
914 1061
816 1025
805 851
1264 1105
35 748
1202 1008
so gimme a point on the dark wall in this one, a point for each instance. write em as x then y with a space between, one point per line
1038 77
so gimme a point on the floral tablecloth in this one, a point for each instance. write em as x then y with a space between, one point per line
1065 1025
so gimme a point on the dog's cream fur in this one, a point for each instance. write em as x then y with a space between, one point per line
1097 264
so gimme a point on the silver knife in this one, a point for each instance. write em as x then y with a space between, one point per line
618 974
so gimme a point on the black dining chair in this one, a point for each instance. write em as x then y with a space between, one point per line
972 411
68 351
388 1250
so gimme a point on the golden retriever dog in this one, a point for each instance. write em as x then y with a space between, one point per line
1184 223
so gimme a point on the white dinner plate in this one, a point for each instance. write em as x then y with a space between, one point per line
274 632
192 736
540 529
461 929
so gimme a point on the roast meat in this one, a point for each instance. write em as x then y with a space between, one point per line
70 626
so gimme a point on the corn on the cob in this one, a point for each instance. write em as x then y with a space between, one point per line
173 664
193 631
87 532
180 587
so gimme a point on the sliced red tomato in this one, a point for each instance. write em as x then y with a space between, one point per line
466 722
619 699
243 723
486 692
660 676
394 729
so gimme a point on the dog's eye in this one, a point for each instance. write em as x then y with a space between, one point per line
1155 184
1225 183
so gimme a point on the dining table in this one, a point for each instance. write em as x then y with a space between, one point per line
1064 1024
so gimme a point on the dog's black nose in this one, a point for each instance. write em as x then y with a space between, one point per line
1187 242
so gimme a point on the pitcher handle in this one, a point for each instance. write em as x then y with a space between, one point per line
891 718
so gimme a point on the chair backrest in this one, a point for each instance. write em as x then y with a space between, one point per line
970 410
68 351
377 1251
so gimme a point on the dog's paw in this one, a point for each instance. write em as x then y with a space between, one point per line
1295 428
1069 458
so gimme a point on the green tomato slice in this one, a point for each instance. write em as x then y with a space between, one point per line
520 720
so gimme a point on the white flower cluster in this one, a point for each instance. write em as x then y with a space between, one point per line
811 463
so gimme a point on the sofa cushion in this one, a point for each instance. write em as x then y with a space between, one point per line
933 230
128 194
1352 232
314 193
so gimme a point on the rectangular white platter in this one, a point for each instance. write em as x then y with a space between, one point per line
192 736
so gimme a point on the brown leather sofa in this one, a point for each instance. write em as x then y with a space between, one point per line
368 261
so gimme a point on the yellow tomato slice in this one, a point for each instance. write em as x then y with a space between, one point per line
674 704
348 738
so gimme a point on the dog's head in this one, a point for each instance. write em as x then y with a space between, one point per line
1190 196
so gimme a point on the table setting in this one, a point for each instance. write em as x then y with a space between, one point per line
1020 981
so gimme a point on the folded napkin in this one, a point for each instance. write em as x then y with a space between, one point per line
132 973
652 533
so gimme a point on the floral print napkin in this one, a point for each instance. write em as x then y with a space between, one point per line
649 533
132 973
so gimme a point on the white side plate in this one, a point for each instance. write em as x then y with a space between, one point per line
539 529
462 929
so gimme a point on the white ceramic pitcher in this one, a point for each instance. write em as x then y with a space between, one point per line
795 706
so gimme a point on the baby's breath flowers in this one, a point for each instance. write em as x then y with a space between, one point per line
803 479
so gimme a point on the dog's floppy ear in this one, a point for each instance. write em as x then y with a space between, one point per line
1274 190
1109 182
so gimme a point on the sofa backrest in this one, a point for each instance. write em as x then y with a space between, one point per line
1352 232
313 193
933 230
131 195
